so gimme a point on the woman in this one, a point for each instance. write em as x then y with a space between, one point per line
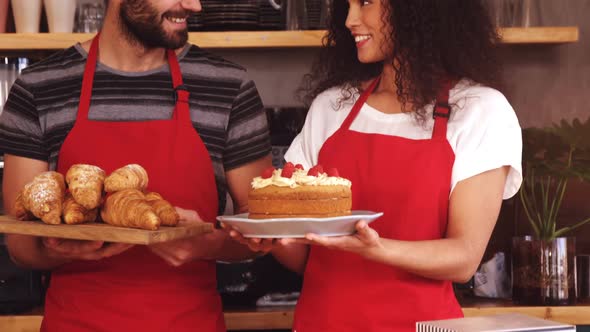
128 97
403 107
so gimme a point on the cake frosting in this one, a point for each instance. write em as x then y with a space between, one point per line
299 178
294 192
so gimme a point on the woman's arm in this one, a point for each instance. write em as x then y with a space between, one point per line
473 210
291 255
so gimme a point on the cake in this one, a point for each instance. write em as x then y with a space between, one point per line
293 192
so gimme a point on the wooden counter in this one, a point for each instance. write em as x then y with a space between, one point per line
247 319
575 315
282 317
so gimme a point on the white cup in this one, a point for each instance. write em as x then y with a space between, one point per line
60 15
27 15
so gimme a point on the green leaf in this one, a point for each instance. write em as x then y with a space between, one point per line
551 156
527 210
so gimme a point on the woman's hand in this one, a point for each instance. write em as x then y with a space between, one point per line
263 246
70 250
365 242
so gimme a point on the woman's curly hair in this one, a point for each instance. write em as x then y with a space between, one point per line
433 40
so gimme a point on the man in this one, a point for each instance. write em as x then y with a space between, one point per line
137 93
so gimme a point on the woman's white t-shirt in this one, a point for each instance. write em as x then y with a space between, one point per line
483 131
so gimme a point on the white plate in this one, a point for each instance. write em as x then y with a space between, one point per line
297 227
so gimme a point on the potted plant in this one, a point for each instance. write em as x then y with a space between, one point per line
543 270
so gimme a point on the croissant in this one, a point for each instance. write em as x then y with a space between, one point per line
163 209
20 212
132 176
129 208
85 183
44 197
75 213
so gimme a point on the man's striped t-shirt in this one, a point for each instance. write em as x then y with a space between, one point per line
225 106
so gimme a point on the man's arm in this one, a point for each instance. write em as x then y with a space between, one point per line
26 251
292 256
238 181
47 253
216 245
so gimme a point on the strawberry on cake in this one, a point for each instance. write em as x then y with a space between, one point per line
293 192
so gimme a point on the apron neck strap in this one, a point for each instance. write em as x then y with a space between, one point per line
442 111
181 94
87 80
359 104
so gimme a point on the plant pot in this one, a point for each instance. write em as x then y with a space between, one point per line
543 272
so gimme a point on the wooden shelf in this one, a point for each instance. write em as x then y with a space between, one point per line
540 35
268 39
282 317
229 39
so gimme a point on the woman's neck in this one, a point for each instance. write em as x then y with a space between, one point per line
385 98
387 83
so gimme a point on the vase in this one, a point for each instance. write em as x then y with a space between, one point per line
27 15
60 15
543 271
526 13
3 15
583 278
501 12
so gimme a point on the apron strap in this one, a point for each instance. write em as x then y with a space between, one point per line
181 93
442 111
88 80
359 104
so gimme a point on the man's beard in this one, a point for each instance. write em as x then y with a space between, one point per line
143 24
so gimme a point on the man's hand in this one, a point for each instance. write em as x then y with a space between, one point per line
70 250
179 252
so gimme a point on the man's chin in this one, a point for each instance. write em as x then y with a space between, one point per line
177 40
174 44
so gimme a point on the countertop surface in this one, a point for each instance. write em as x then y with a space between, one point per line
267 318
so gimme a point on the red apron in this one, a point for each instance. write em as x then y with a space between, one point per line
137 290
409 180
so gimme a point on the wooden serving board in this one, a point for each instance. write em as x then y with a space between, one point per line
102 232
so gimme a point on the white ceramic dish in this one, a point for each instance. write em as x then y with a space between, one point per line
297 227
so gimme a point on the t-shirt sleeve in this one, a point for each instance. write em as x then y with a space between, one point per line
306 145
21 133
302 151
489 138
248 136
